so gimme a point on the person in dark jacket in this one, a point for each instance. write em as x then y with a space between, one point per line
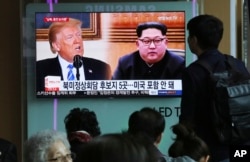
205 34
152 60
65 39
8 151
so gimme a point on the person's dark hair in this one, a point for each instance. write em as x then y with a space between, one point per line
157 25
207 29
187 143
116 147
147 121
82 119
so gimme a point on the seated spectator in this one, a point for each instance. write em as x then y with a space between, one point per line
8 151
187 143
117 147
48 145
148 125
81 126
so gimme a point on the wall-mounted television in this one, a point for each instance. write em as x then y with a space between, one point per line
108 33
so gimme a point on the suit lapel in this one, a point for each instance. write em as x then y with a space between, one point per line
88 71
57 70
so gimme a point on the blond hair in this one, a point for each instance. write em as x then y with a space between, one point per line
56 27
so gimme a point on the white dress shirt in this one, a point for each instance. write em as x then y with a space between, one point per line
64 66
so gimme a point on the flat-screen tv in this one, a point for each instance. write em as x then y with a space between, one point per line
107 52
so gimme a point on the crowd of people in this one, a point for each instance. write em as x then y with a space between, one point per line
83 140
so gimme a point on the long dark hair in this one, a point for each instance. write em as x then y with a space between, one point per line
187 143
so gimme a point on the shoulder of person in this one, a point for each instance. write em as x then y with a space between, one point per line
236 60
172 56
175 53
5 145
4 140
93 62
47 61
179 159
130 57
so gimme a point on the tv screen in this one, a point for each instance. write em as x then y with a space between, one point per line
107 56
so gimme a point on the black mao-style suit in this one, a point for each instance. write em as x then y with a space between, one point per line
93 70
131 66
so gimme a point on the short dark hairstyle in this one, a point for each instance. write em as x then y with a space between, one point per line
207 29
116 147
187 143
82 119
147 121
157 25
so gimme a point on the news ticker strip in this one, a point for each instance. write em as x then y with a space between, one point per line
109 93
112 85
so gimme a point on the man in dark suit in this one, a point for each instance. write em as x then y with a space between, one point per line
152 60
8 151
205 33
65 39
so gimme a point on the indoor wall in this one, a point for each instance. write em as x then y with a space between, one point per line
13 108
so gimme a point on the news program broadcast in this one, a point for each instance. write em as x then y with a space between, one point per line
109 54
